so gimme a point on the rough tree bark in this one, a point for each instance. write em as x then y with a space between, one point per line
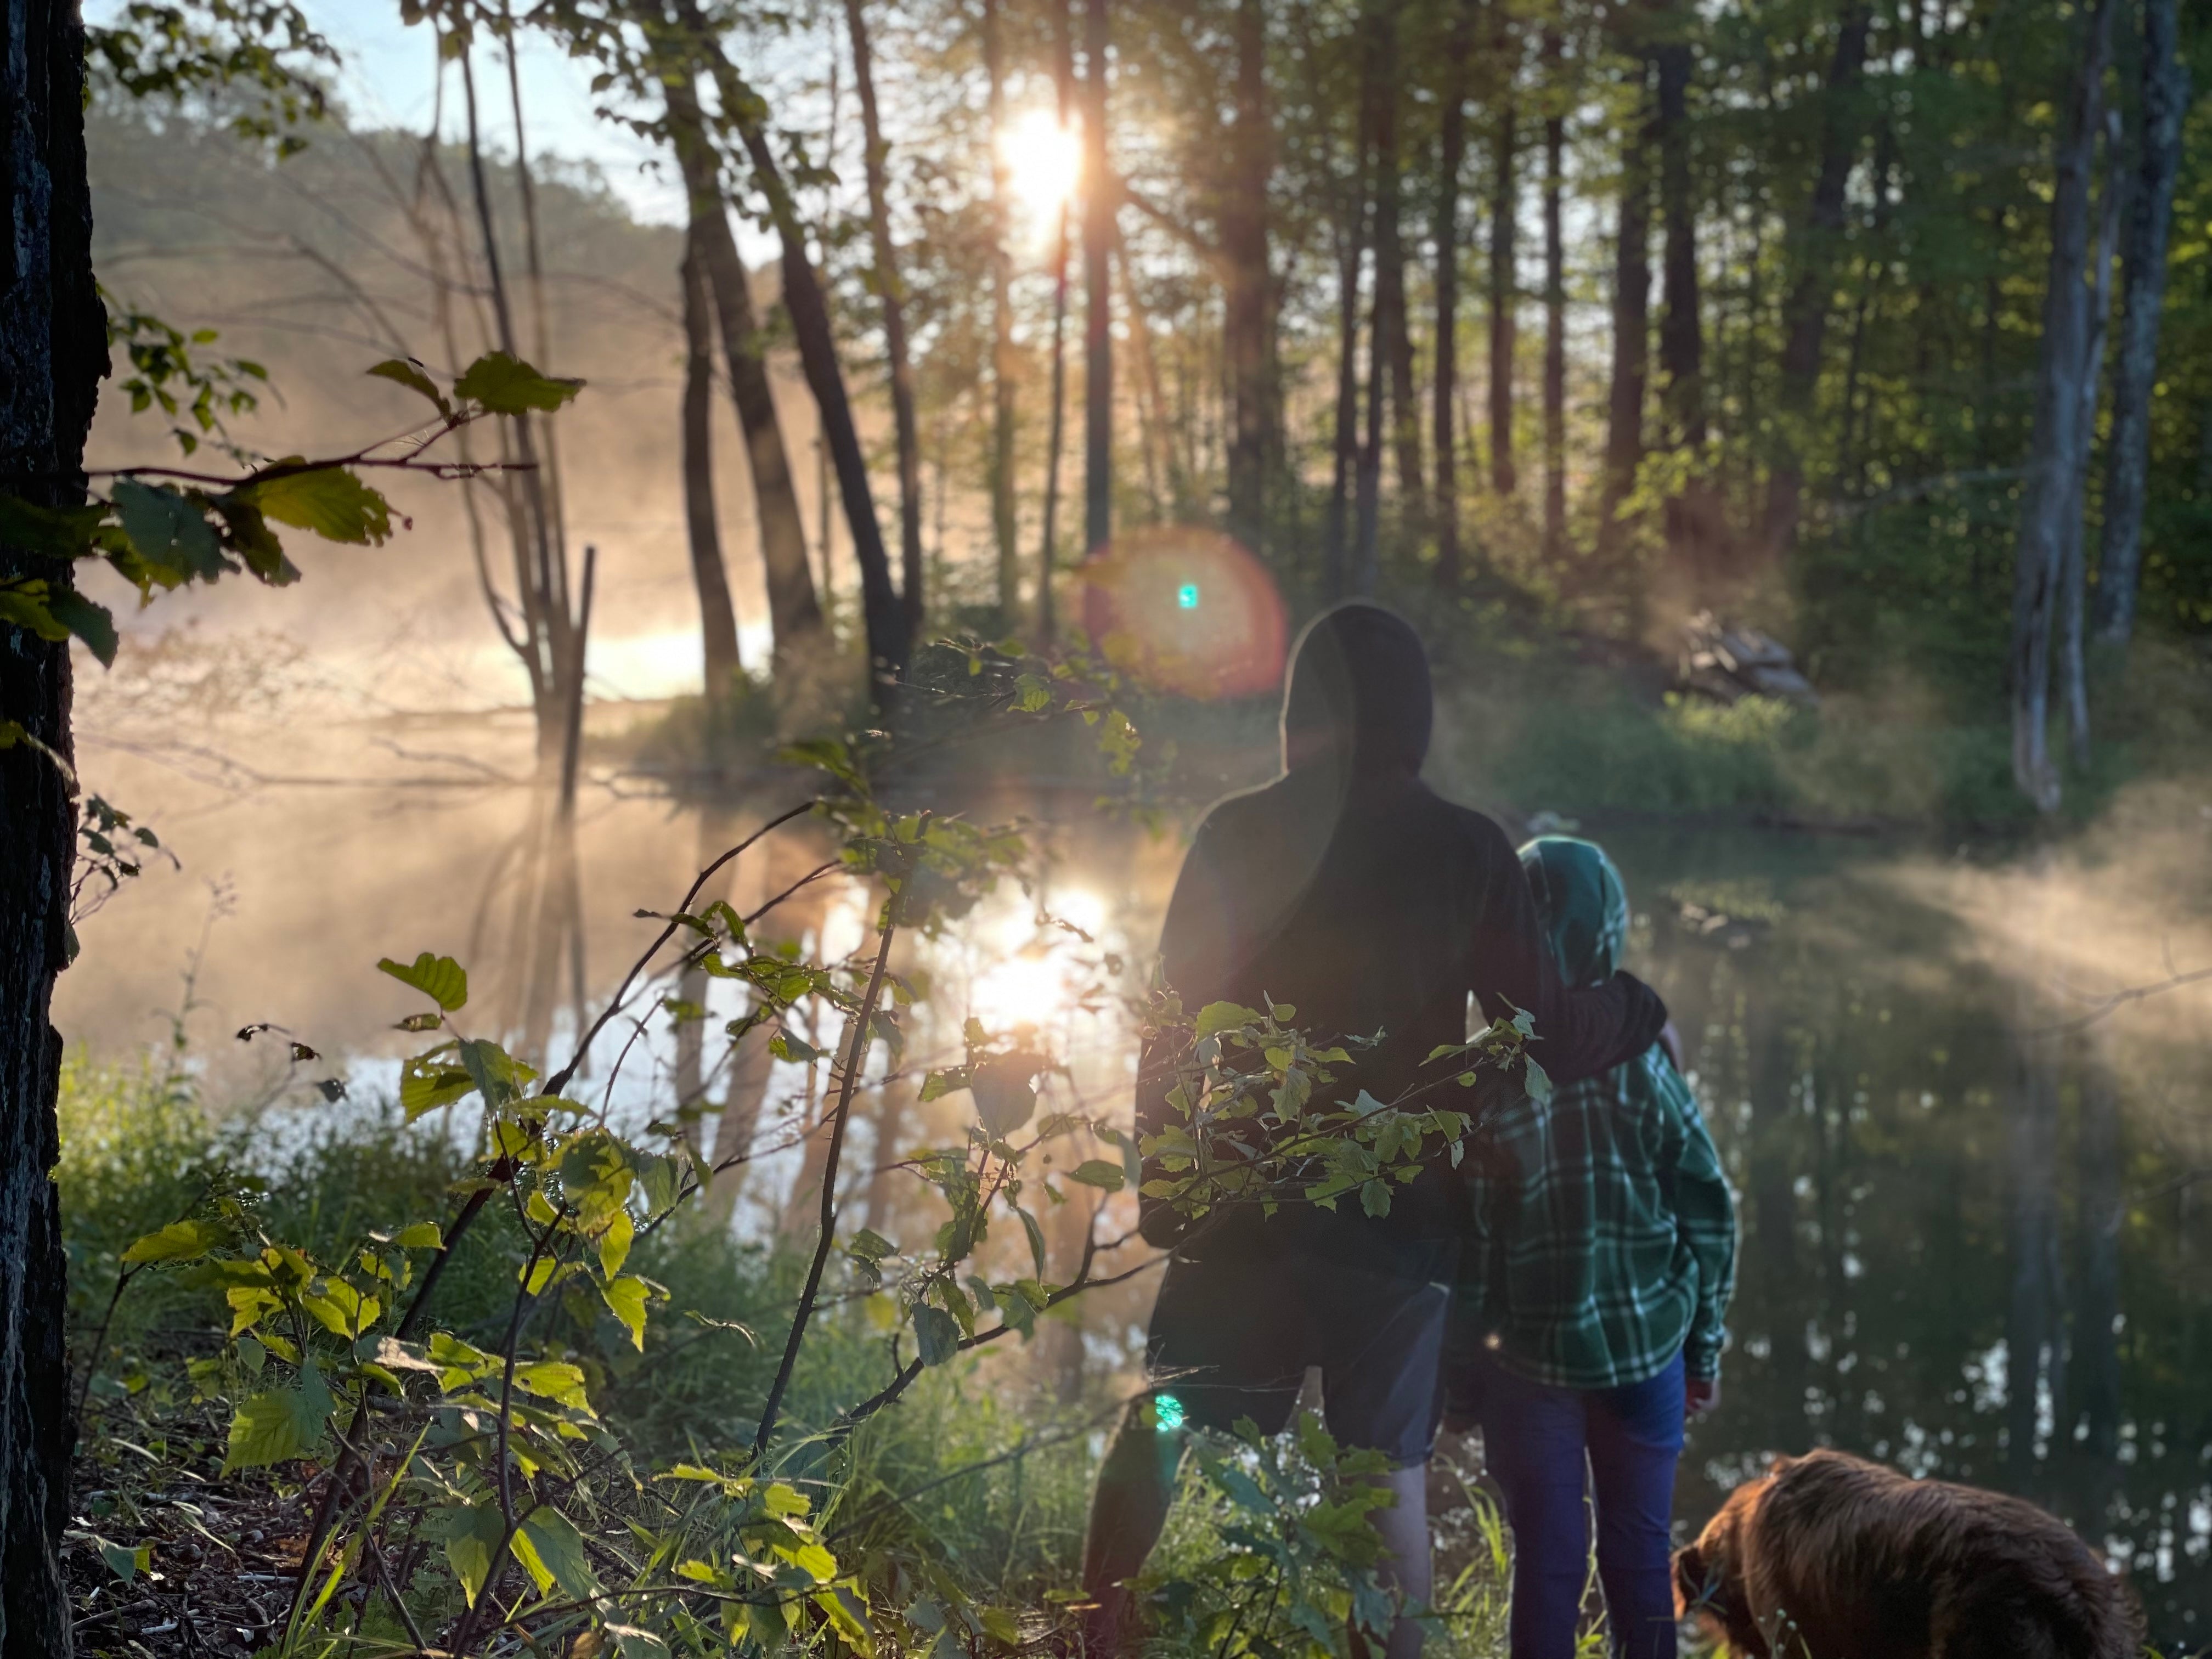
1505 226
1555 300
2150 221
718 622
1248 280
1632 320
795 622
1379 105
1006 527
2074 575
1098 204
1805 307
884 253
1452 158
1692 514
2039 555
53 350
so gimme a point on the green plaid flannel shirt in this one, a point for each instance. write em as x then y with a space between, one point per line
1603 1231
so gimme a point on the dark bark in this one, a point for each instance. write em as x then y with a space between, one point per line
1805 307
2102 1207
1098 205
1248 284
1505 227
718 622
2150 221
1345 446
1452 158
1405 409
2035 1368
891 292
2073 678
1005 526
2039 557
1379 105
1555 301
1631 322
1048 535
53 351
884 615
795 621
1691 513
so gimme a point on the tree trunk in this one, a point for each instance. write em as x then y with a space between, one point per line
1048 534
1390 295
53 351
893 294
1444 507
1344 445
2101 1205
795 623
2035 1374
1505 227
1248 280
1631 322
718 622
2074 580
1098 205
1805 309
2039 555
1681 329
1555 302
2150 221
1379 103
1005 526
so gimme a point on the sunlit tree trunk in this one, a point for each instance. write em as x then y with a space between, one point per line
1504 231
718 622
53 350
2039 557
1048 533
1452 159
1632 320
1690 528
1556 94
2150 221
1248 281
1005 526
1805 307
1099 192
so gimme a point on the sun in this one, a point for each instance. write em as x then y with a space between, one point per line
1044 166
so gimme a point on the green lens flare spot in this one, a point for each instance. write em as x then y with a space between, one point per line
1169 1410
1187 596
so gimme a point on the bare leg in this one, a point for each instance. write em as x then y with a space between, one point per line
1404 1565
1136 1484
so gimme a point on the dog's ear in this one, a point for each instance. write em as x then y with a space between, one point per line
1692 1582
1779 1464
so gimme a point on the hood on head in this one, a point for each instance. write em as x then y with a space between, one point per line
1358 690
1581 903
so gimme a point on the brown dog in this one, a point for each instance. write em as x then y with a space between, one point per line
1830 1557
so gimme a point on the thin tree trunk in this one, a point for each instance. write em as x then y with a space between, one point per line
1681 327
1380 105
2039 555
1099 190
1248 284
1505 230
1631 321
1452 159
2074 600
718 622
53 344
890 638
1004 528
1049 538
1165 480
2150 221
1345 443
892 292
540 320
1805 309
2035 1351
794 614
1405 405
2101 1207
1555 302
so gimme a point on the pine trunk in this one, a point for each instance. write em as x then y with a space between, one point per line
1005 528
1445 506
52 353
1379 104
1690 529
1555 301
1631 323
1099 218
1505 227
718 622
1248 303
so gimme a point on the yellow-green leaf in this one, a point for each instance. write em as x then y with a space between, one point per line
625 1299
442 978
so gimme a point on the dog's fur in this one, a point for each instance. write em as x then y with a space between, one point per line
1830 1557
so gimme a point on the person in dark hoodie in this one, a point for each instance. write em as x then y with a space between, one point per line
1347 889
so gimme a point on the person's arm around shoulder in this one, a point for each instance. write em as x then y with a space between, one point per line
1704 1218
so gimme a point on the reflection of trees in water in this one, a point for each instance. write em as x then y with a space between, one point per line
526 948
1947 1207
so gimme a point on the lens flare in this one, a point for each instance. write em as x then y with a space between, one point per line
1169 1410
1186 610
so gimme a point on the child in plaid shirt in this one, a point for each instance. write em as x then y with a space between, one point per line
1598 1264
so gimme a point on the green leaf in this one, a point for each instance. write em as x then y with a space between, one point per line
442 978
123 1561
499 1077
472 1533
279 1424
508 385
1005 1097
1539 1083
625 1298
421 1236
181 1240
62 532
406 371
551 1551
167 529
1374 1198
614 1244
1036 1238
1218 1016
937 1332
844 1610
1098 1172
327 500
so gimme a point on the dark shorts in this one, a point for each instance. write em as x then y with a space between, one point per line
1231 1339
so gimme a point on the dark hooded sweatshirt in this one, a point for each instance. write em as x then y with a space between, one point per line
1350 890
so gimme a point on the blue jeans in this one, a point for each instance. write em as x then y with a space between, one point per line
1536 1441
